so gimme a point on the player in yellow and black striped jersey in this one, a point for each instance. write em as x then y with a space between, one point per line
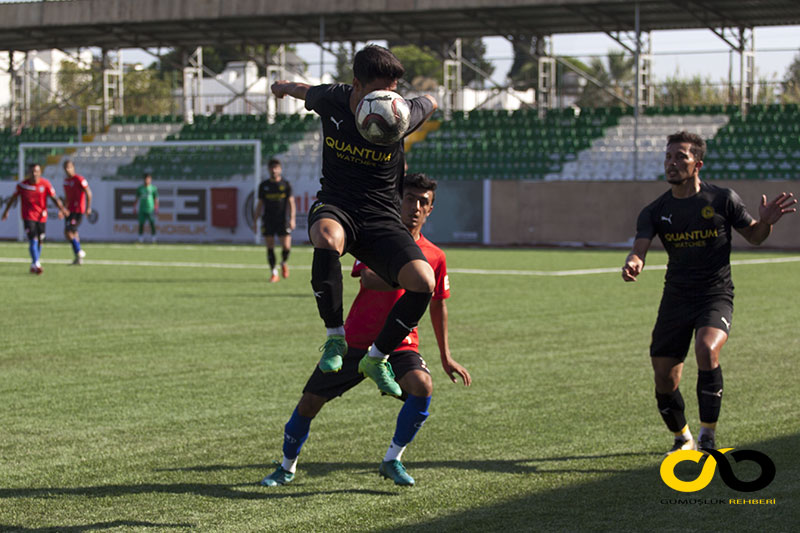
276 208
694 220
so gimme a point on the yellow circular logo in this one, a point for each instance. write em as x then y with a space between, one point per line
667 470
707 212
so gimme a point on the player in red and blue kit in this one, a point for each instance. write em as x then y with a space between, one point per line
34 191
367 316
78 197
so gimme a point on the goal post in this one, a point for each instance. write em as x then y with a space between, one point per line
190 165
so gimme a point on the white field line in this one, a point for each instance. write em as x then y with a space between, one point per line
497 272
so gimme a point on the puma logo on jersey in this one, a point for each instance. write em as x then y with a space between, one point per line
725 321
667 219
337 122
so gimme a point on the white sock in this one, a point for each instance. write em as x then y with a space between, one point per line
290 465
331 331
376 353
394 452
274 271
686 435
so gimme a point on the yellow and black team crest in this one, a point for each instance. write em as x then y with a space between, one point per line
707 212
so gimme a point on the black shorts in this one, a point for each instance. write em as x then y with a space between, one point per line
331 385
34 229
381 243
679 316
72 222
271 227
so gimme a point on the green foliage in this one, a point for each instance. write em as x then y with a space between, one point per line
420 63
140 395
617 73
147 93
344 62
791 82
696 90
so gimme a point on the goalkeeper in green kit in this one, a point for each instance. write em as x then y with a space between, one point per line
146 206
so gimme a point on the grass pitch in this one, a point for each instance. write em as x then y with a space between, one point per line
147 391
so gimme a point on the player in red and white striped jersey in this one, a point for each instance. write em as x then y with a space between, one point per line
34 191
364 322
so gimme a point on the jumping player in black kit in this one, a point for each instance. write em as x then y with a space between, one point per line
694 221
276 205
358 212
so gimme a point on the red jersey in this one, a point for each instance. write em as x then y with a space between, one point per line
34 199
75 192
370 308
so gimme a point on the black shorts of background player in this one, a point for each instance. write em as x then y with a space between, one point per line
694 220
358 209
276 208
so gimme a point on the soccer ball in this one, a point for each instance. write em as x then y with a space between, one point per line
382 117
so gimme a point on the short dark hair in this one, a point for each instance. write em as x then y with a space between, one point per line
418 180
273 162
698 148
376 62
147 175
66 162
31 165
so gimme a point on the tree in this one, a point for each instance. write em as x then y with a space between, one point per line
147 93
421 65
344 62
524 71
615 74
696 90
791 82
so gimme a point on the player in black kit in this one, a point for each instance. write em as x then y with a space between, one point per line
694 220
276 205
358 212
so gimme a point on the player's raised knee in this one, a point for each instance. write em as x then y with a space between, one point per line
417 276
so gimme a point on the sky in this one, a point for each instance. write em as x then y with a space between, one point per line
674 52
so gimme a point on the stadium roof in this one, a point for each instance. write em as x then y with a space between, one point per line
115 24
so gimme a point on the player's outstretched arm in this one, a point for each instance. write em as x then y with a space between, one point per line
62 211
9 205
88 200
283 88
438 309
634 263
769 213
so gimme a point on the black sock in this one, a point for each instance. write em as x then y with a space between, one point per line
326 280
671 408
402 319
271 257
285 254
709 394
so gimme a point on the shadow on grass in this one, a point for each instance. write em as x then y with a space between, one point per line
93 527
232 492
515 466
638 500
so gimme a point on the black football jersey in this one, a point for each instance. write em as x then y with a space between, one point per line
358 176
696 233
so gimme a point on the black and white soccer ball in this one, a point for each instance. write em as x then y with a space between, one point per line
382 117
